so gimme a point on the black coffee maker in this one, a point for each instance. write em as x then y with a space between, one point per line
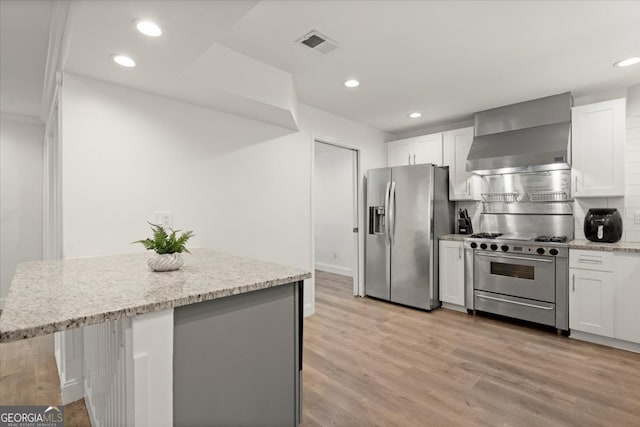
464 222
603 225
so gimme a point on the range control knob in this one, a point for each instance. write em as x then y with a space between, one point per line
504 248
494 247
483 246
540 251
474 245
553 252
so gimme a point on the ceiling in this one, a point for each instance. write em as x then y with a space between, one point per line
24 38
444 59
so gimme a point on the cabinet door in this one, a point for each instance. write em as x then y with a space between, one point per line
626 298
591 302
398 153
456 149
427 149
598 149
451 272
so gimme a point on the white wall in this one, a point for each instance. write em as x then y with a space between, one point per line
372 153
237 183
333 209
21 150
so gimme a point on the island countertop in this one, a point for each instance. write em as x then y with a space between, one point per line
51 296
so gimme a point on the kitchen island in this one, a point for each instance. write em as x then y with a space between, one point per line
218 342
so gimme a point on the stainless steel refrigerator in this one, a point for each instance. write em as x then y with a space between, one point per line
408 208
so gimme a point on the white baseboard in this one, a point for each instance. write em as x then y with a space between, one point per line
309 309
72 390
609 342
454 307
336 269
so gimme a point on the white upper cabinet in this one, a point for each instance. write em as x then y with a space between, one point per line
399 153
463 185
428 149
417 150
598 149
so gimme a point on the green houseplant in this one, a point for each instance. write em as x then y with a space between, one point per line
168 247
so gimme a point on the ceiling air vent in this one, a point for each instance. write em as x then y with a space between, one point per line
318 42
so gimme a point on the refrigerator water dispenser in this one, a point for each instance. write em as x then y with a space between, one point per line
376 219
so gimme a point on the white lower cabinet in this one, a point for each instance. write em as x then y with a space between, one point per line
591 302
604 295
451 272
626 297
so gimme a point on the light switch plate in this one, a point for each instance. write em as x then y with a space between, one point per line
163 218
636 217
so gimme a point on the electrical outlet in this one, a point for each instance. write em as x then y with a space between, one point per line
636 217
335 255
163 218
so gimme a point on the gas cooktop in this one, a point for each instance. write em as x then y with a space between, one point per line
523 243
523 237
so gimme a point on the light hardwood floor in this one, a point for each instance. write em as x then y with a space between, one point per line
367 362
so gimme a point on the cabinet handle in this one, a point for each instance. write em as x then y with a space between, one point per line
414 159
591 261
574 282
409 158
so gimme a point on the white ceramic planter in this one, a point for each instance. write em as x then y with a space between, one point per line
165 262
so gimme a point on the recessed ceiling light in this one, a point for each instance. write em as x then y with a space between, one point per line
148 28
352 83
415 115
627 62
123 60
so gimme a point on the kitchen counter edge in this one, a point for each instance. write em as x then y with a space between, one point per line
454 237
14 331
633 247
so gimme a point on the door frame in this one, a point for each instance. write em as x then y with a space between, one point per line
358 280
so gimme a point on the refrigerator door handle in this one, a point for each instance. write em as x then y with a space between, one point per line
392 210
387 213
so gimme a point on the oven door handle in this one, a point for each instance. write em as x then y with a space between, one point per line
515 302
516 257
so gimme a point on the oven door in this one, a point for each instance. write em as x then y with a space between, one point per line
522 276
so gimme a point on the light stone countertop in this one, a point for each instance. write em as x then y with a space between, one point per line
610 247
50 296
454 237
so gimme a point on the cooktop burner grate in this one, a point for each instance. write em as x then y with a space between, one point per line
551 239
486 235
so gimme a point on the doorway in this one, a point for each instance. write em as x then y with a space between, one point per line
335 211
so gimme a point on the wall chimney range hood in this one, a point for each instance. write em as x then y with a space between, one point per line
530 136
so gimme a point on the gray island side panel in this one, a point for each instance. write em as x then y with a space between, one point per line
236 360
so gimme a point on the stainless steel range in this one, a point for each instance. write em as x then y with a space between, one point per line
519 275
518 266
522 152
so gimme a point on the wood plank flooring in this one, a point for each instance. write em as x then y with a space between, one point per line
368 362
29 376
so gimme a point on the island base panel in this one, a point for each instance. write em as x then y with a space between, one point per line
236 360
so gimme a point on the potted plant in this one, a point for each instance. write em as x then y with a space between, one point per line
168 247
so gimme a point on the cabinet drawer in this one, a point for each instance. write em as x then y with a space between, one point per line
591 260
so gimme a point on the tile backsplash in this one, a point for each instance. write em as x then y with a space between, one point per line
629 206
